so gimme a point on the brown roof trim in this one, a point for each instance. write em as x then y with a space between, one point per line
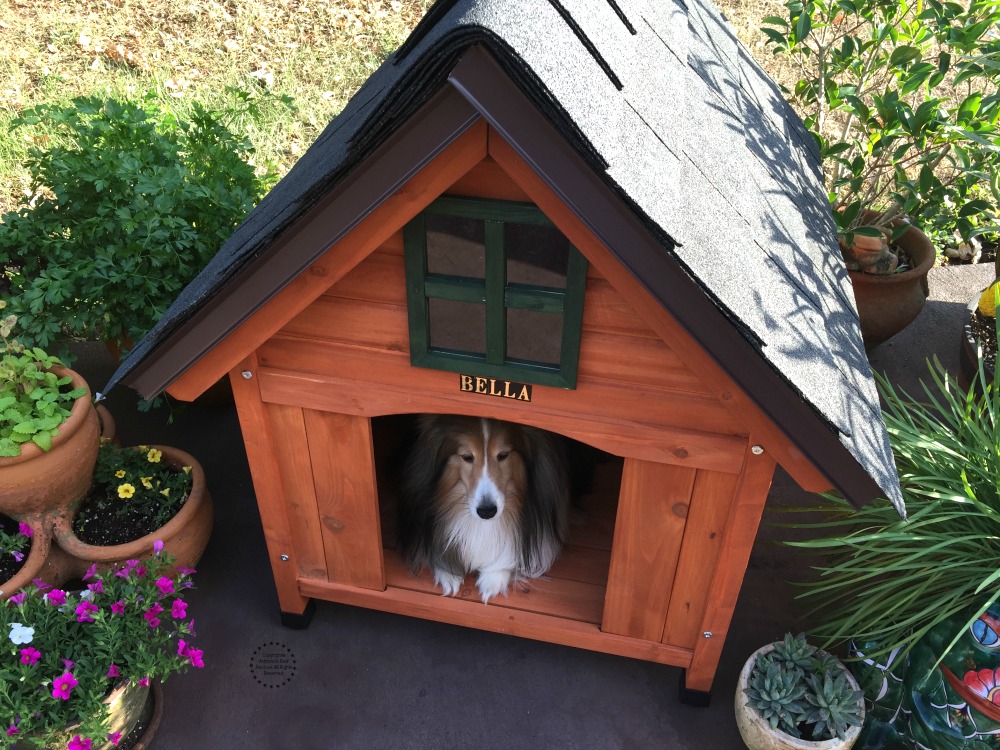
432 129
610 218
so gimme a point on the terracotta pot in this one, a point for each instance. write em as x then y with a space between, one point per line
41 543
968 351
184 536
109 429
757 733
125 705
887 303
38 481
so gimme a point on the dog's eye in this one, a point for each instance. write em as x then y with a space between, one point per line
502 456
467 457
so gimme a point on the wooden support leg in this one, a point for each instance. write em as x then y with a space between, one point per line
299 620
689 697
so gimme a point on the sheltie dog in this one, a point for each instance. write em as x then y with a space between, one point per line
483 495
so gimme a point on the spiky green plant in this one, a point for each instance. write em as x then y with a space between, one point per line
889 581
801 690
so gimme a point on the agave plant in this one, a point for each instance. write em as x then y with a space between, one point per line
889 581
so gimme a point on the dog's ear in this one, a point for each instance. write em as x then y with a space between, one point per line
433 446
548 478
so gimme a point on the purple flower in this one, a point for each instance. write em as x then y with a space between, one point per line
140 571
193 655
40 584
57 597
30 655
12 730
91 572
19 556
114 738
63 686
83 610
97 586
118 608
164 585
151 615
178 610
79 743
113 672
185 571
144 682
68 664
157 547
24 530
18 598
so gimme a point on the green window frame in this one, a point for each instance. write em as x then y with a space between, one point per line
495 292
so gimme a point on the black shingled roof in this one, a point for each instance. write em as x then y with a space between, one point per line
672 114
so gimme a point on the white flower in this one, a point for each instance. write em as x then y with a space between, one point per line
20 633
87 594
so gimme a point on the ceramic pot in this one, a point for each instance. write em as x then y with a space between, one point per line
887 303
757 733
38 481
125 705
151 716
41 543
184 536
109 429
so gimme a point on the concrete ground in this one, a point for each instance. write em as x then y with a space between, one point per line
363 679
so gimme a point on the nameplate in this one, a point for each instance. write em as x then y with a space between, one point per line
494 387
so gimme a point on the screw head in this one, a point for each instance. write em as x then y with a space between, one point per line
756 450
706 634
247 374
284 558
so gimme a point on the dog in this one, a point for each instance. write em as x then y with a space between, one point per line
483 495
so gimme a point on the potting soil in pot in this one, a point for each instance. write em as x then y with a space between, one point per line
985 332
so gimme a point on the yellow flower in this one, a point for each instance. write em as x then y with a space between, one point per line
165 492
120 474
987 303
154 456
186 469
147 483
125 491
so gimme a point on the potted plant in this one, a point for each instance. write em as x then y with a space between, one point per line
900 98
128 204
140 495
49 430
979 337
792 695
77 666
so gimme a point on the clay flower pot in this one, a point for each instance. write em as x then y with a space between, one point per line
889 302
41 543
38 481
184 536
757 733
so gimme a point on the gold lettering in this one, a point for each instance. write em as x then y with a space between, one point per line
466 382
506 390
493 386
480 385
524 395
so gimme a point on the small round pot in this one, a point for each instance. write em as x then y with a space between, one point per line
968 351
37 482
109 429
757 733
41 543
887 303
184 536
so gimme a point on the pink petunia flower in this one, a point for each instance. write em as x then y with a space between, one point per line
185 571
57 597
24 530
40 584
114 738
91 572
157 547
178 610
30 655
83 610
164 585
144 682
118 607
18 598
79 743
12 730
97 586
140 571
18 556
113 672
194 656
68 664
63 686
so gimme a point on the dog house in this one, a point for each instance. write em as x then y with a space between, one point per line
597 217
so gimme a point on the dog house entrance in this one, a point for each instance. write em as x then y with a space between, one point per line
574 589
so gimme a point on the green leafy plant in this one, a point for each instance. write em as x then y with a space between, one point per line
802 691
129 203
61 652
902 98
34 400
136 483
887 582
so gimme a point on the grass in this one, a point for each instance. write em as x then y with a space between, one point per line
316 53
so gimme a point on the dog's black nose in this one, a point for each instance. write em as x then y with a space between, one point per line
486 510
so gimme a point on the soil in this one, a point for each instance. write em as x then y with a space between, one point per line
8 565
985 332
110 524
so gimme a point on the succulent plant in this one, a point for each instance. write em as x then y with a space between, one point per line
803 691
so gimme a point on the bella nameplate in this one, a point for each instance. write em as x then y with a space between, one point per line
494 387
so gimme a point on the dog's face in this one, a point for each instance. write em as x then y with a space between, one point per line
486 469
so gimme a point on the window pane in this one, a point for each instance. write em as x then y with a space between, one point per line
536 255
534 336
458 325
456 246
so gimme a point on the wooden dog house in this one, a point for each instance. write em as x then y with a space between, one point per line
705 328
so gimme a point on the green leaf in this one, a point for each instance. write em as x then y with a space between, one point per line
903 54
43 440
